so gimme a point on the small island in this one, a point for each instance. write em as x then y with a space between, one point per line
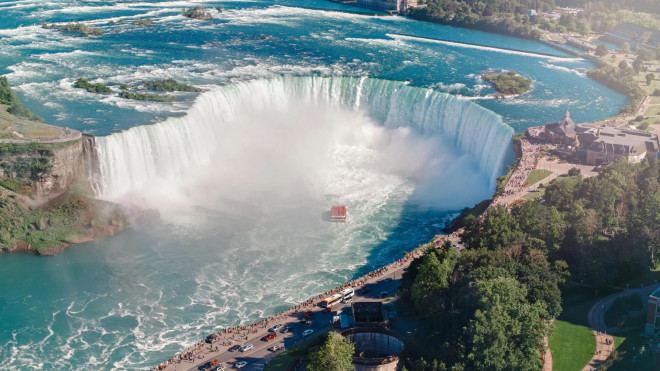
509 84
77 27
166 85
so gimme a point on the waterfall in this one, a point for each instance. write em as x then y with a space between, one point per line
129 159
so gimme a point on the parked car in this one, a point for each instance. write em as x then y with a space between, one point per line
309 314
275 348
383 294
387 280
235 348
308 332
240 364
275 328
246 347
270 336
285 329
219 368
303 322
204 366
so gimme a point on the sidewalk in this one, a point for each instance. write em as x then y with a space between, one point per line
604 341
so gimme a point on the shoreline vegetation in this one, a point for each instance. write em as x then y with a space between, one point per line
166 85
514 18
509 83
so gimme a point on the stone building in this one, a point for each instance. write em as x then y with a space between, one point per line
635 35
562 132
653 313
600 144
612 144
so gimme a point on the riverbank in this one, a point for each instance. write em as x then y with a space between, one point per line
367 287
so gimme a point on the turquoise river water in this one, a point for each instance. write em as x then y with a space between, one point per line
306 104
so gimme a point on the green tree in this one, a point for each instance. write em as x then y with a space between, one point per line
336 354
625 48
431 281
649 77
507 330
601 50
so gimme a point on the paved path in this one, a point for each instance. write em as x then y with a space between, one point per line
367 288
604 340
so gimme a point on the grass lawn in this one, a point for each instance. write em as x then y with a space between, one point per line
282 360
652 111
572 343
535 194
655 100
537 175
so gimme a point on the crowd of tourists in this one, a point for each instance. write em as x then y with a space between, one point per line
530 147
240 334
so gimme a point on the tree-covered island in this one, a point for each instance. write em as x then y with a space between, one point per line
509 83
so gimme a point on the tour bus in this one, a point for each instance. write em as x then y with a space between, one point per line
347 295
329 302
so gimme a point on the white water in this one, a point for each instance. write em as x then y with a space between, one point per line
292 138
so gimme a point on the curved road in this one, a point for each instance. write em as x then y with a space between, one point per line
596 319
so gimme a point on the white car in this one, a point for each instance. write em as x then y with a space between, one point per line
308 332
240 364
246 347
275 328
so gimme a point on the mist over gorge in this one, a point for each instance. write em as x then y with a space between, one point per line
291 138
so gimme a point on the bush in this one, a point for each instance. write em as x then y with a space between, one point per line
168 85
147 97
97 88
16 107
574 171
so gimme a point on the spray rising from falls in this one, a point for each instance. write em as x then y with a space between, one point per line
450 142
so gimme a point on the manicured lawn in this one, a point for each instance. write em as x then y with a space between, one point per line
572 343
536 176
655 100
572 346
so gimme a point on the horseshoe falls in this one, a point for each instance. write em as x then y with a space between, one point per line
445 144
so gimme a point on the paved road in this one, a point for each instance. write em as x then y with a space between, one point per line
604 340
320 321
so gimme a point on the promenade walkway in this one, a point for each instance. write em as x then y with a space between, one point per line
253 333
604 340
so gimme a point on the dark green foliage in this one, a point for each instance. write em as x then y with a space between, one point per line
147 97
601 50
336 354
649 77
97 88
607 228
620 79
482 308
510 16
509 83
168 85
16 107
